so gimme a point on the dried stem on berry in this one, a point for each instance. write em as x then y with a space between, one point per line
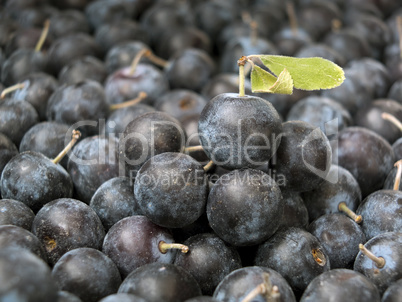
75 137
342 207
290 10
209 166
193 149
43 36
11 89
399 25
164 247
266 289
142 95
379 261
397 181
392 119
156 60
137 59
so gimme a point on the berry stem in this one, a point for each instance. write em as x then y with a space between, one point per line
399 25
209 166
164 247
290 10
270 293
156 60
148 54
336 25
397 181
43 36
392 119
241 62
142 95
137 59
342 207
246 18
254 32
193 149
379 261
75 137
11 89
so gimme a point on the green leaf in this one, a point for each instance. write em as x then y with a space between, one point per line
307 73
263 81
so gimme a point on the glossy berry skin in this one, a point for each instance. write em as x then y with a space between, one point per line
202 299
66 49
68 21
66 224
372 74
82 105
224 83
171 189
17 237
102 277
347 38
109 34
370 117
339 186
295 213
35 180
148 135
351 94
244 207
21 63
359 146
24 38
238 132
176 40
388 246
63 296
181 103
303 157
16 117
82 69
118 119
390 180
7 150
340 236
48 138
190 69
322 112
393 292
121 85
397 148
93 161
161 17
38 87
296 254
122 297
121 55
157 282
381 212
114 200
26 276
341 285
236 285
16 213
134 241
209 260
